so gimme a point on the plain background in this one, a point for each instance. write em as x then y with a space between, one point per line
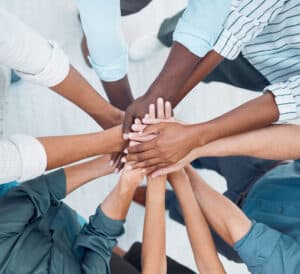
37 111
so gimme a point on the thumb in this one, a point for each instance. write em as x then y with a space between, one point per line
128 121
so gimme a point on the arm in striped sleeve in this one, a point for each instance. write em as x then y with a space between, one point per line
287 97
246 20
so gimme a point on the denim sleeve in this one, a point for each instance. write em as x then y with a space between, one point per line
265 250
95 243
30 201
101 22
201 24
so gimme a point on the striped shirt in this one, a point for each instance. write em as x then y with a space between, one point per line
267 33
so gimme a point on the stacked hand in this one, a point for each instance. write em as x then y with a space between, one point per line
161 143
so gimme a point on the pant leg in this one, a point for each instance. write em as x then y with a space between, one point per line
167 28
239 172
129 7
239 73
119 265
134 257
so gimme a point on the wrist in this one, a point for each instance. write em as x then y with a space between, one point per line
203 134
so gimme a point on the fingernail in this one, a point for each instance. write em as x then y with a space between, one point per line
111 163
123 160
141 133
116 170
126 150
143 170
125 136
131 135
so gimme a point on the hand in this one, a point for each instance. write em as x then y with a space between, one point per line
137 109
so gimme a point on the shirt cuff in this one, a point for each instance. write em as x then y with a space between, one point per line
256 247
228 45
107 226
285 101
33 156
114 71
57 184
191 38
55 71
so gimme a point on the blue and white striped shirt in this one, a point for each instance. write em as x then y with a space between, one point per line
268 35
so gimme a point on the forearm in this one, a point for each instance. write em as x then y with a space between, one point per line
204 249
154 242
77 90
117 203
202 70
119 93
178 68
80 174
222 215
255 114
64 150
278 142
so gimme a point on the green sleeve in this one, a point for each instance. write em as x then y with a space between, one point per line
96 241
30 201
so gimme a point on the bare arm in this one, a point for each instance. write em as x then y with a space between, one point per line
64 150
204 249
225 217
278 142
77 90
117 203
78 175
154 238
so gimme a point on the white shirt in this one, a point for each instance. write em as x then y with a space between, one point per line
268 35
37 60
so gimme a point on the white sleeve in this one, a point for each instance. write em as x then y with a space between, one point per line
22 158
32 56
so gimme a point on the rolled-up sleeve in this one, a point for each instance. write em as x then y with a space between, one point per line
96 242
101 21
246 20
32 56
287 97
201 24
265 250
22 158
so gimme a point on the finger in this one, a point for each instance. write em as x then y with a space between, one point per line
142 147
141 138
151 170
152 111
165 171
148 163
133 143
118 163
160 108
137 127
168 110
153 129
141 157
128 121
137 121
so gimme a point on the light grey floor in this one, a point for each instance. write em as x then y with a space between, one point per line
37 111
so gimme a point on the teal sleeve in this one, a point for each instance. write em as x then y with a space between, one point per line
96 241
101 22
201 25
30 201
265 250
